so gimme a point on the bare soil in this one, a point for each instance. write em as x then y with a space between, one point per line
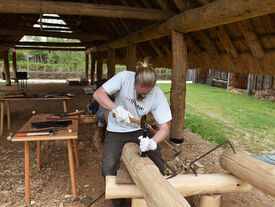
50 185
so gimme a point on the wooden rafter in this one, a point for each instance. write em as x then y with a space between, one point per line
77 8
208 44
251 38
204 17
227 42
34 32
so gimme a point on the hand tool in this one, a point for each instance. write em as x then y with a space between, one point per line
145 131
69 114
63 118
191 163
154 131
49 132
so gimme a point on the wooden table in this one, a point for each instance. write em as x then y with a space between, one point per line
8 100
58 135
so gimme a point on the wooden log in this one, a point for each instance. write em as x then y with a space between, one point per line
83 9
156 190
178 88
7 69
210 15
187 185
33 32
259 174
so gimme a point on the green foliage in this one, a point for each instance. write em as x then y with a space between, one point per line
216 115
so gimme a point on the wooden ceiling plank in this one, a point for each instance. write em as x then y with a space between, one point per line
251 38
227 43
33 32
204 17
80 8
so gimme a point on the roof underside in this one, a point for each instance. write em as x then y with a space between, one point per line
246 46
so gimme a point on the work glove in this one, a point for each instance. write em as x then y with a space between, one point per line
122 115
147 144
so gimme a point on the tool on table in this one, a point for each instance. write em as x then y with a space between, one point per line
63 118
69 114
49 132
154 131
191 163
145 131
47 124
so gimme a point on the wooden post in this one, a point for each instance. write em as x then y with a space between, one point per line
156 189
71 163
7 68
131 57
87 67
228 80
99 67
14 64
178 89
27 172
93 61
249 84
259 174
2 118
38 153
210 201
76 153
111 63
8 115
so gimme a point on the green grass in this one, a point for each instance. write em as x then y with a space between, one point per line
217 115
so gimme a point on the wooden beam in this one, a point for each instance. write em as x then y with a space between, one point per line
84 9
258 173
50 48
227 43
187 185
213 14
208 44
131 57
41 44
7 68
111 64
178 88
159 193
33 32
251 38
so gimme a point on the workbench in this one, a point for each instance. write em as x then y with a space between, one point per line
63 134
8 100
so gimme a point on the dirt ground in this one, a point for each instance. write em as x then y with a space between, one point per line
50 186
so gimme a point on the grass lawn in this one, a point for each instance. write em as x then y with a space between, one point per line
217 115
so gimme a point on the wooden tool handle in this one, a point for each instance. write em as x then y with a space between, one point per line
75 113
131 119
32 134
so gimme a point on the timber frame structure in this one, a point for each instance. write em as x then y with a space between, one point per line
230 36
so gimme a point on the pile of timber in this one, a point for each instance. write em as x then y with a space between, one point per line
147 187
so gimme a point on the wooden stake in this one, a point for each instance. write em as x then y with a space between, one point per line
7 68
178 91
71 163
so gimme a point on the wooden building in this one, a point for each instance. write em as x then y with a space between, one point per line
224 35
